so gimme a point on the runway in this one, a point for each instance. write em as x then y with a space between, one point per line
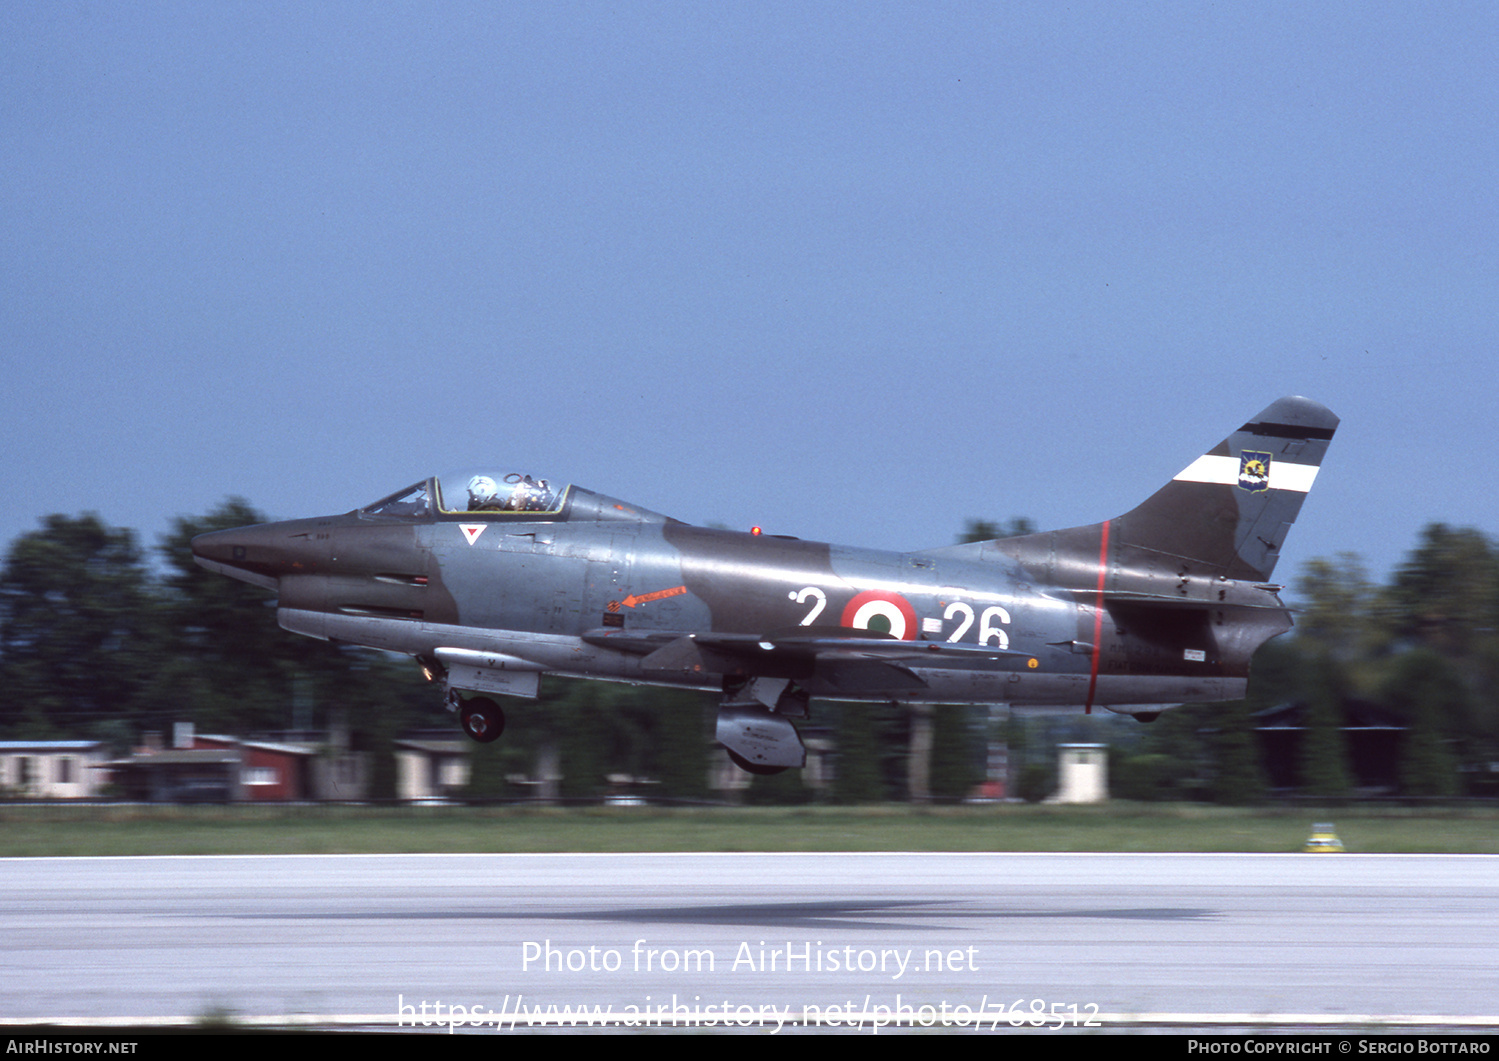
771 943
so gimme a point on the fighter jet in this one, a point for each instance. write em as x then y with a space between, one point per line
491 578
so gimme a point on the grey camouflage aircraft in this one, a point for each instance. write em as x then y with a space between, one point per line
492 578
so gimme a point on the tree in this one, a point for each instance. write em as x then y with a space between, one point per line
1340 608
983 530
857 776
1172 756
1433 703
1446 594
1324 754
80 629
680 748
958 749
1445 598
1239 778
232 668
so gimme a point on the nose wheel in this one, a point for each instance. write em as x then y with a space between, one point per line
482 719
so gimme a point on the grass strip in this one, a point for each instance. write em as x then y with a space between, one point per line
65 830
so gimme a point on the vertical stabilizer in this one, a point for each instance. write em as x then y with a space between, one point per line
1229 510
1225 516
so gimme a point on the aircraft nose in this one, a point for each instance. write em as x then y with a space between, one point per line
259 555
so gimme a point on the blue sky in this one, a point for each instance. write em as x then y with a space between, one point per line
850 272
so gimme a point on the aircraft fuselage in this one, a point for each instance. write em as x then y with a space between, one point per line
490 586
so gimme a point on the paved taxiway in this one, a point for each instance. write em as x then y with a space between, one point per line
707 935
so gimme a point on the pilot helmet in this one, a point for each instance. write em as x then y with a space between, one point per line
481 491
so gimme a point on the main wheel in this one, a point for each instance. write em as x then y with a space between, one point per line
482 719
753 768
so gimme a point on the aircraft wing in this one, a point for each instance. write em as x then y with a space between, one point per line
825 643
845 658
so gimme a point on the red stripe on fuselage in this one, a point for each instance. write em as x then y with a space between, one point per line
1103 570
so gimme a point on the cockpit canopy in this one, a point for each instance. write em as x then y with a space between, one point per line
472 493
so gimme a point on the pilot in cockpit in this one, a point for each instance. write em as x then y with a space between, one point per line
521 493
484 495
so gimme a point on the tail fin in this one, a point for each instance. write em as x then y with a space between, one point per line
1230 509
1225 516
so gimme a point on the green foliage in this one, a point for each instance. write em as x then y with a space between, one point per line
580 721
1147 776
1036 782
1032 742
681 722
1425 647
230 667
1446 595
80 629
1324 755
1341 616
650 736
1172 758
91 645
36 831
786 789
958 748
1239 778
1424 689
984 530
857 776
1276 673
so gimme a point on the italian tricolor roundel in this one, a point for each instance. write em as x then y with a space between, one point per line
882 612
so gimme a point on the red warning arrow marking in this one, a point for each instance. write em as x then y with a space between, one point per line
660 594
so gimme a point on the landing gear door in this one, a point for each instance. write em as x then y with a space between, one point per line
490 672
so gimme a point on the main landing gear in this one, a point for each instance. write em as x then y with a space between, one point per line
482 719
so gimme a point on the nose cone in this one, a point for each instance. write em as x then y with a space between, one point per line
262 554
